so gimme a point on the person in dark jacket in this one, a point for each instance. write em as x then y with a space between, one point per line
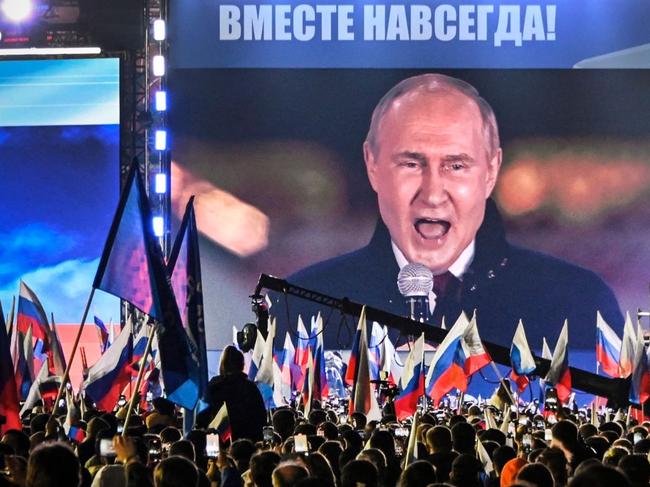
243 399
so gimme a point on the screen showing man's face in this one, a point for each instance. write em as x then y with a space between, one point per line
432 175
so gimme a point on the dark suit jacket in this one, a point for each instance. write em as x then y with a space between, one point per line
245 405
504 283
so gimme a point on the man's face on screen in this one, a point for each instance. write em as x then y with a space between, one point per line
432 175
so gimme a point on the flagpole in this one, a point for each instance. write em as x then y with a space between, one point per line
139 380
10 318
66 375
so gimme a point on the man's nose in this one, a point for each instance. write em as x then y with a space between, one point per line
433 188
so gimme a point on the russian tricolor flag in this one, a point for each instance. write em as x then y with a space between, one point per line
559 374
521 358
476 357
447 368
628 346
103 333
31 312
285 359
608 347
640 385
112 372
221 424
302 353
353 361
389 364
407 402
362 397
375 349
321 390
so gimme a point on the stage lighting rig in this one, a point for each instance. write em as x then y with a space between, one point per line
40 23
17 10
248 335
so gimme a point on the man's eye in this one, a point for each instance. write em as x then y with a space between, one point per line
410 164
456 166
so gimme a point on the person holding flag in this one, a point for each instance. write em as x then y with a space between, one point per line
244 402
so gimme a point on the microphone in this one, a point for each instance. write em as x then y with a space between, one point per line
415 282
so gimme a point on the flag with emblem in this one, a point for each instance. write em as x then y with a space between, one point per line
185 270
132 268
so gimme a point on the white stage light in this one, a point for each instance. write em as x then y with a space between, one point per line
160 141
158 65
161 183
17 10
159 30
49 51
161 101
158 226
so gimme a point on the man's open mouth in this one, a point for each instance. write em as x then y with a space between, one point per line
432 228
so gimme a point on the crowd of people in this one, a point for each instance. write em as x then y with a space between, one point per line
470 446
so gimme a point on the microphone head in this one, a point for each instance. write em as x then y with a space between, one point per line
415 280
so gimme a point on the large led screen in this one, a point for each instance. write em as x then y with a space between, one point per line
59 160
276 160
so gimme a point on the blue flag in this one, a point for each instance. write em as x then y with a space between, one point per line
184 267
103 333
132 268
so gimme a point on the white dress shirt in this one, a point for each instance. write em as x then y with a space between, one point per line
458 268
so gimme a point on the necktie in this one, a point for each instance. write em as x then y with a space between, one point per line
447 288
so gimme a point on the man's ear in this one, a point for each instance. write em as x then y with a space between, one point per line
371 165
494 165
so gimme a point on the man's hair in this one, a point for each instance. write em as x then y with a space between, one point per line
183 448
501 456
463 437
637 469
439 439
359 472
284 422
537 474
232 361
596 475
332 451
52 465
566 432
377 458
317 417
417 474
176 471
18 440
262 466
241 451
384 441
434 83
555 461
330 431
170 434
288 474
